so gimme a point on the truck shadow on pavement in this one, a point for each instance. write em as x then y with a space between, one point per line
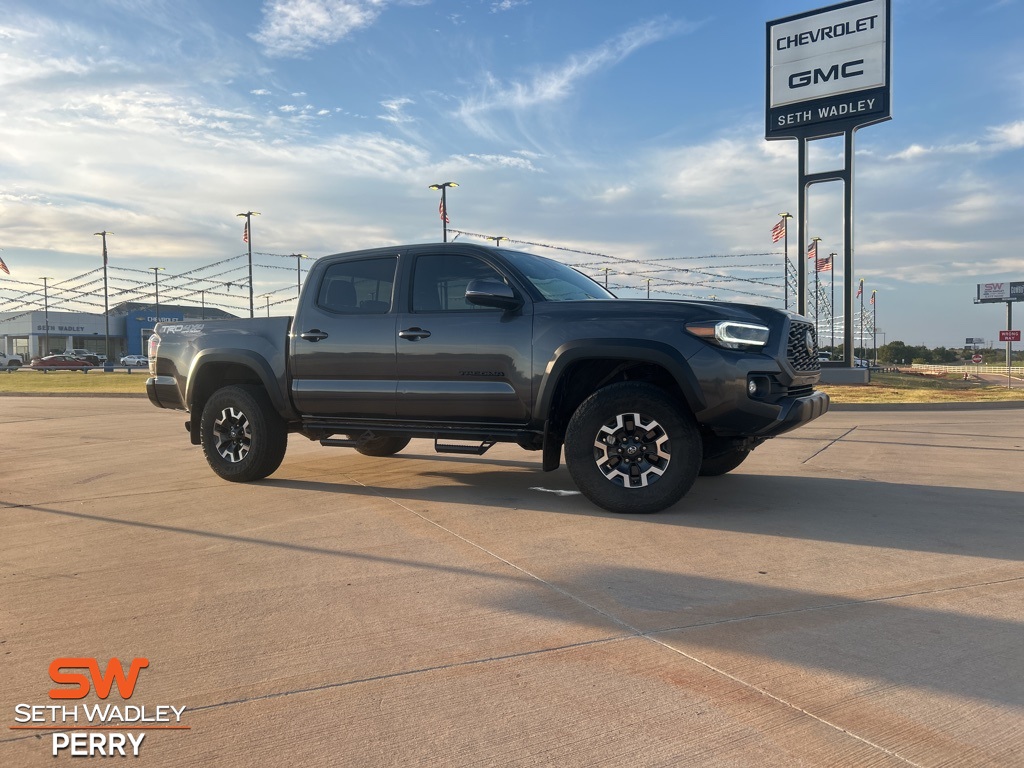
961 521
900 635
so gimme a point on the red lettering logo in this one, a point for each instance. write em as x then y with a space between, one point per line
101 681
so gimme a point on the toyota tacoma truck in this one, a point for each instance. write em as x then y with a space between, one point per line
471 345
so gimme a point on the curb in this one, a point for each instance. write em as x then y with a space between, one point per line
995 405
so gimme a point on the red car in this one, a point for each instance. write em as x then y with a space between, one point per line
58 361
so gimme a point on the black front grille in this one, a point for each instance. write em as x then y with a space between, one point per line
802 357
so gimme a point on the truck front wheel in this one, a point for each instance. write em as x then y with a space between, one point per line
631 449
243 437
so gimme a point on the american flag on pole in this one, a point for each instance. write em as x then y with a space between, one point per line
245 232
860 289
873 296
779 230
812 250
443 212
3 267
824 265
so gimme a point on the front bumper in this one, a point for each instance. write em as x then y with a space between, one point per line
795 412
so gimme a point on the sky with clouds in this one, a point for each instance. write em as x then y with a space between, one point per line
630 135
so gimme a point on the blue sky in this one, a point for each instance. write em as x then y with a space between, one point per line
633 130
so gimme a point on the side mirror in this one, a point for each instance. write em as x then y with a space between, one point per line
492 293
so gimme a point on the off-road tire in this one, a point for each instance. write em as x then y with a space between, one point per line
632 449
243 437
385 445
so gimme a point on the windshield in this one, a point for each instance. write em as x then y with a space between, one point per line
554 281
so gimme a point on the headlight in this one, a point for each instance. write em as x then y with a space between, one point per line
731 334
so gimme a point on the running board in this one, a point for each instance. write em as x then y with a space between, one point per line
341 442
469 450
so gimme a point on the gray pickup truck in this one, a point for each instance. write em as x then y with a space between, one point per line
471 345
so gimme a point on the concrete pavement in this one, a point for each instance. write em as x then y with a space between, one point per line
851 595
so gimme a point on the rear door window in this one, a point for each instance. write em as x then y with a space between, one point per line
362 287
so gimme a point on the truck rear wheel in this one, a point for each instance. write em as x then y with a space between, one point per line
243 437
631 449
385 445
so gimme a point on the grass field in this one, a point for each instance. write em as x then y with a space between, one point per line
920 388
26 382
884 387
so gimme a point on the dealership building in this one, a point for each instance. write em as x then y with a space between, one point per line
38 333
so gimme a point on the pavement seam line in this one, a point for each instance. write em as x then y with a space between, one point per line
785 703
554 587
829 445
410 672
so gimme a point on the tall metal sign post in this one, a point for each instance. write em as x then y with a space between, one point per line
828 74
990 293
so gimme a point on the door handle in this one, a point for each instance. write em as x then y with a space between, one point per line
413 334
314 334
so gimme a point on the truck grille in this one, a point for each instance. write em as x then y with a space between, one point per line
800 357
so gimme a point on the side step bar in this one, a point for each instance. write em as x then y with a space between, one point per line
341 442
469 450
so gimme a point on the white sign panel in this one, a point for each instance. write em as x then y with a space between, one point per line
1007 291
828 67
828 54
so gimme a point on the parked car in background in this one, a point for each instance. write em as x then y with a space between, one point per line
59 361
135 361
10 362
84 354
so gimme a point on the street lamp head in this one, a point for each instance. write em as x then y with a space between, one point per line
786 215
442 185
104 233
247 213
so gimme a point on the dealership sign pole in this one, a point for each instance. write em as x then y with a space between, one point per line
828 74
989 293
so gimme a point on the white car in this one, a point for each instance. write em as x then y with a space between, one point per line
10 361
135 360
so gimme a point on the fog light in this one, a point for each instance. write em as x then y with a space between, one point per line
759 387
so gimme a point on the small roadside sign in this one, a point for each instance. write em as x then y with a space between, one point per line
977 359
1009 335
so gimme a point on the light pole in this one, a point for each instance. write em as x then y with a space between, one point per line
247 238
156 291
874 326
267 297
46 314
832 306
860 293
785 245
497 240
106 307
443 207
813 254
298 270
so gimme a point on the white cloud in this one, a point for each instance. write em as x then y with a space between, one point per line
500 6
295 27
557 84
1010 136
394 110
